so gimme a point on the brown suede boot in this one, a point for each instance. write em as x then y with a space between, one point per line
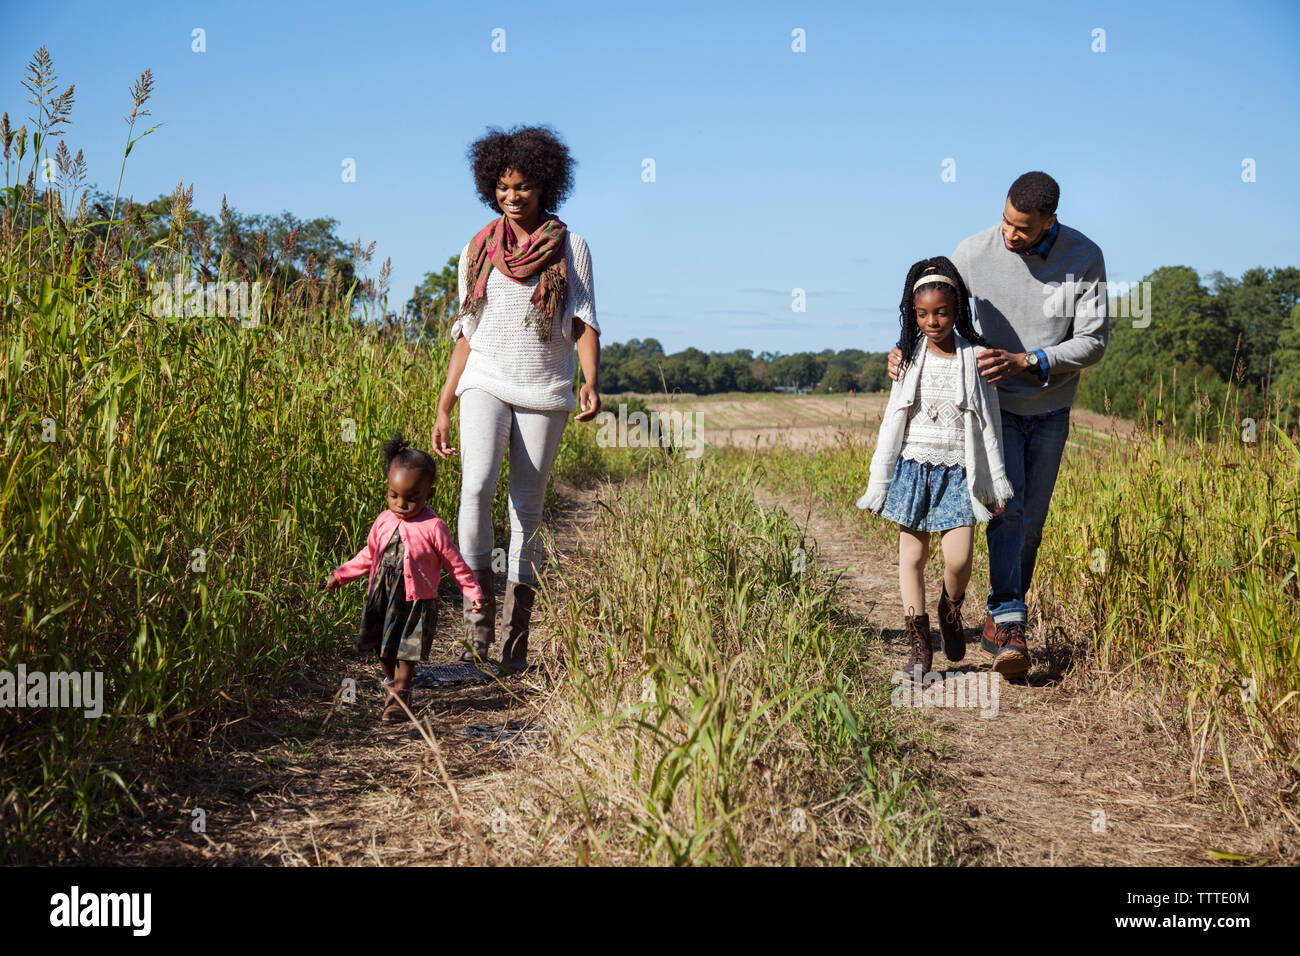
515 616
916 628
480 628
951 631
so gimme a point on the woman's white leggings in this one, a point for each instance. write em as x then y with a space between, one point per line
487 426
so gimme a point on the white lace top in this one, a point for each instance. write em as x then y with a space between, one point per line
506 359
934 433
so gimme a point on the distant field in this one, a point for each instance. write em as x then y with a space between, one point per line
805 422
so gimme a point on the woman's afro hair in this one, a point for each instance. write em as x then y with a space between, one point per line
535 151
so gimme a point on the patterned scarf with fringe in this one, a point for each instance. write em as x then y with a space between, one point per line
542 253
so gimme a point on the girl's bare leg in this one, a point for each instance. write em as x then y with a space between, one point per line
913 551
958 556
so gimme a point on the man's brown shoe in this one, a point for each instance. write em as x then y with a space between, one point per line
1011 655
990 631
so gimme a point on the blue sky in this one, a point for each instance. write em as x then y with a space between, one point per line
775 170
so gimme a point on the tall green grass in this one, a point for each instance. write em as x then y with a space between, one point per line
1182 555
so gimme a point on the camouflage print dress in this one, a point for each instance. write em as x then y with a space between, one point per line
391 624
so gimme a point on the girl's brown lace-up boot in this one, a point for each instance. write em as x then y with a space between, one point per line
916 628
951 632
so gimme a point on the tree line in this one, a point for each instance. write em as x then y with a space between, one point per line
1204 337
640 365
300 258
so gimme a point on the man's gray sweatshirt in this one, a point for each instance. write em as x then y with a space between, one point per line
1022 303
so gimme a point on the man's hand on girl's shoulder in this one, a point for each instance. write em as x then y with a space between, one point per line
895 360
994 365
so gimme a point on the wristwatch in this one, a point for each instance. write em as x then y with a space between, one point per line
1031 359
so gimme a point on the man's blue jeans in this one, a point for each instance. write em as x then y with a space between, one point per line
1032 446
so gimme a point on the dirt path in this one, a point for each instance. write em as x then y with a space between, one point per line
1059 775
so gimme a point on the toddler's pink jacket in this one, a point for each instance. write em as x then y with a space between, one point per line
428 547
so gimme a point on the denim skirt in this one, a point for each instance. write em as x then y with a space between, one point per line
927 497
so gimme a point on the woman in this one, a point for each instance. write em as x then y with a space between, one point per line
526 299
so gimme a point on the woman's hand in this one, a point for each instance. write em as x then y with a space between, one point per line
998 510
441 438
588 401
332 584
476 607
587 340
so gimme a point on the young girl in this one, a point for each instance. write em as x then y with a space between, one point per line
404 554
938 464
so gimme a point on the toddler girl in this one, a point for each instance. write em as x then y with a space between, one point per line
404 554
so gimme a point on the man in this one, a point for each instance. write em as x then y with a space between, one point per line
1039 290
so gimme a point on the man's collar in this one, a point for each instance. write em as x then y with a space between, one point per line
1044 247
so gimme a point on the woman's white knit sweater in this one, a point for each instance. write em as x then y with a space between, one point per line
986 474
505 358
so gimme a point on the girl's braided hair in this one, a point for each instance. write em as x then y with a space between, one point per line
397 450
909 331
